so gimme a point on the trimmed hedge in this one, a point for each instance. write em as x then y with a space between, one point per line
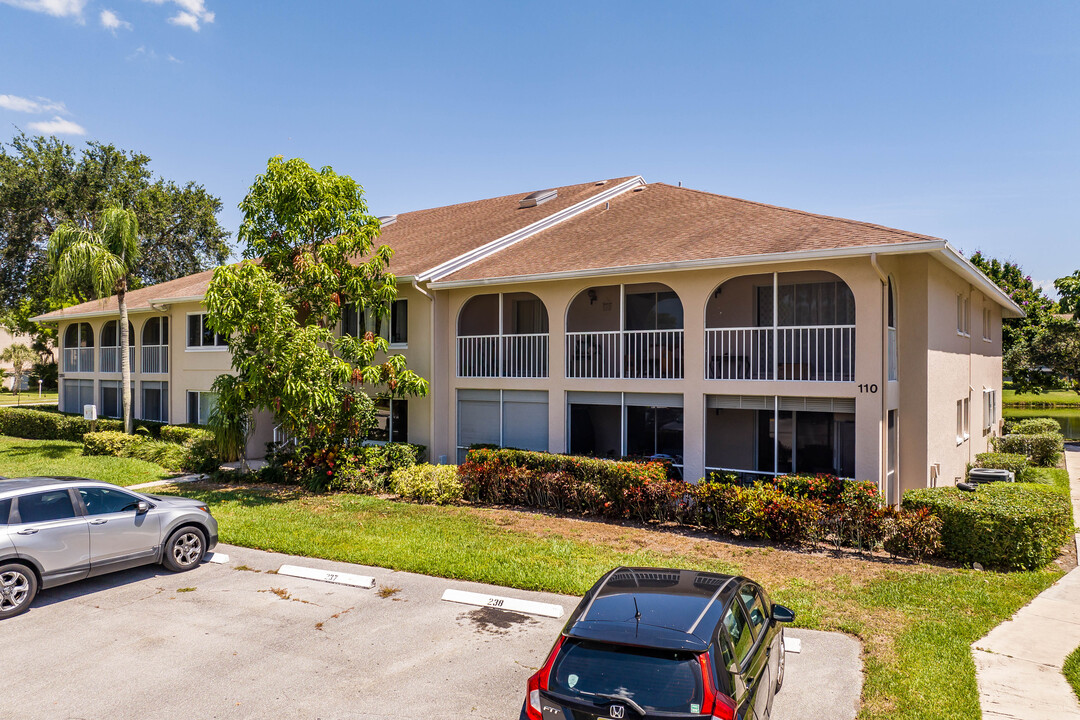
1008 525
1034 426
363 468
45 425
1014 462
1042 449
437 484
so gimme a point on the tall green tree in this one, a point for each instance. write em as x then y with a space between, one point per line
1023 353
104 260
1068 289
21 359
314 242
46 183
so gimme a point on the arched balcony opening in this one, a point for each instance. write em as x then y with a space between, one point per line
796 326
79 348
503 335
625 331
155 345
110 347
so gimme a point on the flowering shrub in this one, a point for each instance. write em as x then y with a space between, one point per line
362 468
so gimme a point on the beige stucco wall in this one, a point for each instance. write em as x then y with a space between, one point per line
695 288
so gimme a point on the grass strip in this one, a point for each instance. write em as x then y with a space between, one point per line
1071 670
27 458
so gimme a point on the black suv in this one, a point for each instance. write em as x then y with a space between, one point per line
660 643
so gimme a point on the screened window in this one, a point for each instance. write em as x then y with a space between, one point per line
989 409
392 421
46 506
78 393
102 501
199 406
395 328
199 335
156 331
508 418
963 315
112 404
79 335
802 304
986 324
155 401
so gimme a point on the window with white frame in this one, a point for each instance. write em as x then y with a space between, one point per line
986 324
395 328
989 409
200 336
391 421
199 406
963 315
963 420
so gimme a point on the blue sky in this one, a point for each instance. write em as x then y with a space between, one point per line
955 119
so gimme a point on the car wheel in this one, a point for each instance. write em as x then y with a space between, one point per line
781 661
18 586
184 549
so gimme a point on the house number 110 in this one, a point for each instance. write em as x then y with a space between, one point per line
871 388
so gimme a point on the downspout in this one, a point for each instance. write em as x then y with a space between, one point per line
884 421
431 363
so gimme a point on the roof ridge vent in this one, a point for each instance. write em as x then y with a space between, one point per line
537 198
385 220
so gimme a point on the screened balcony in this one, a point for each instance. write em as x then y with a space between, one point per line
110 347
503 335
79 348
625 331
155 346
786 326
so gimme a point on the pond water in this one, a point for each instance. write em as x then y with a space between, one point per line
1068 418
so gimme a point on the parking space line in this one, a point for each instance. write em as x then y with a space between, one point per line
503 603
792 644
219 558
339 578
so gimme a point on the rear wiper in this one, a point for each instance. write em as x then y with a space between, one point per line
622 698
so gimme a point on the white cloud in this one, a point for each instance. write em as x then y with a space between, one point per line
56 8
28 105
112 22
57 126
191 15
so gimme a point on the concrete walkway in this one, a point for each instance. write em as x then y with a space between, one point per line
1018 663
170 481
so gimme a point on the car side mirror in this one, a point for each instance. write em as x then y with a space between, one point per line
142 507
782 614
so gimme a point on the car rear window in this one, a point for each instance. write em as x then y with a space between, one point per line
660 680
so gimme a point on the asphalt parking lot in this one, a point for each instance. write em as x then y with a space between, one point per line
235 640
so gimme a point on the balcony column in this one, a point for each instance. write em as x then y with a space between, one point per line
693 385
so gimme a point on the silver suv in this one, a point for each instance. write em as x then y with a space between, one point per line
55 530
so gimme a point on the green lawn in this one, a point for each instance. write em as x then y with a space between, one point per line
916 622
1072 670
28 398
20 458
1063 398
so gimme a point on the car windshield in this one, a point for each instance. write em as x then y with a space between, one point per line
660 680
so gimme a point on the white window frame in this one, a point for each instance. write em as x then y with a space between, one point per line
989 409
385 331
963 420
987 319
188 347
963 315
199 402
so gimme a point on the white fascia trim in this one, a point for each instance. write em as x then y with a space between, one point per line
89 314
737 261
967 269
169 300
461 261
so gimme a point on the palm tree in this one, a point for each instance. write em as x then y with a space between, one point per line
105 260
20 357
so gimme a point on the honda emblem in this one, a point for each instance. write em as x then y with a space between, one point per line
617 711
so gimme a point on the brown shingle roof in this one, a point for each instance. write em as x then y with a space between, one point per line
185 287
424 239
663 223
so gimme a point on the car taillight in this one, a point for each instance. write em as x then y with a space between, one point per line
539 681
723 707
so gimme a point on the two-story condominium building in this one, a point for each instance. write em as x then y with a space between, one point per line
620 318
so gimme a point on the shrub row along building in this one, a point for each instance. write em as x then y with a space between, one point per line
620 318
